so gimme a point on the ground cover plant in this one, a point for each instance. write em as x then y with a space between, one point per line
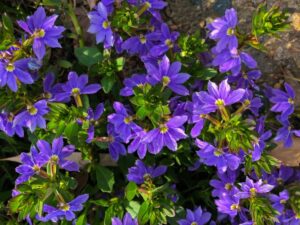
142 125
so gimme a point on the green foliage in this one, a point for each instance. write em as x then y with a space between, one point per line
88 56
131 190
6 32
294 199
269 22
262 213
105 179
266 163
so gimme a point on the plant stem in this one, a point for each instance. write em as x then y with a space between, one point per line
77 27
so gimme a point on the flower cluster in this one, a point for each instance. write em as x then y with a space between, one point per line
219 129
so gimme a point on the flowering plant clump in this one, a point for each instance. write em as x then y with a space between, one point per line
142 125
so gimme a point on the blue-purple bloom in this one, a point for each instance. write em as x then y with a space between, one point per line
43 31
286 133
225 185
167 134
283 101
100 25
93 116
219 158
138 44
168 74
33 116
195 217
279 201
137 144
10 72
51 89
75 86
250 189
122 122
31 165
167 40
141 172
57 153
230 205
223 30
136 80
246 79
127 220
221 96
116 146
65 210
231 60
7 125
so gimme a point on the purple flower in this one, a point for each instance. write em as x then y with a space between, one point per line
57 153
10 72
139 44
101 26
283 101
31 165
252 103
259 145
250 189
137 80
43 31
223 30
286 133
229 205
166 134
116 146
221 96
195 217
66 210
122 121
141 172
137 144
33 116
167 40
169 75
246 80
219 158
280 200
152 6
225 185
127 220
75 86
231 60
50 90
7 126
93 116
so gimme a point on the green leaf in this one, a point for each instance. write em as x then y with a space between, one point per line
105 179
120 62
88 56
81 220
107 83
144 213
71 132
131 190
7 24
101 202
133 208
65 64
52 2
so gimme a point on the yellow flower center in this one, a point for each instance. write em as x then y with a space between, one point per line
54 158
282 201
36 168
219 102
39 33
10 67
291 101
230 32
163 128
65 207
143 40
194 223
234 207
169 43
128 119
75 91
252 192
166 80
228 186
105 24
148 5
218 152
32 110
